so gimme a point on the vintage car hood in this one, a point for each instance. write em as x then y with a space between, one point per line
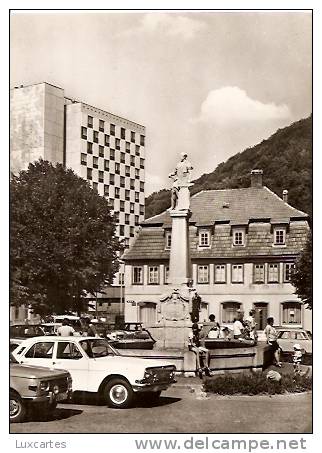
124 362
36 372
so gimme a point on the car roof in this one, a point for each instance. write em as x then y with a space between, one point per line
290 328
59 338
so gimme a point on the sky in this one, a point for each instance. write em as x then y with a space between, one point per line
207 83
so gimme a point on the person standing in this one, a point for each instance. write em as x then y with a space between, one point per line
271 338
251 325
297 358
65 330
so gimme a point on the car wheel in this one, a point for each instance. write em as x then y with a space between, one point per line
118 393
17 409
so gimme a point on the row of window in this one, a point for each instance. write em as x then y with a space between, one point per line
238 237
102 150
291 313
262 273
126 197
112 130
127 218
112 158
111 177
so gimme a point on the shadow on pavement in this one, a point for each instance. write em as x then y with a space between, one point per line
141 401
56 414
86 398
92 399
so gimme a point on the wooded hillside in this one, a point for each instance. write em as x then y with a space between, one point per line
285 158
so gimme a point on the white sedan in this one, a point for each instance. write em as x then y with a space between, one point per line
288 337
95 366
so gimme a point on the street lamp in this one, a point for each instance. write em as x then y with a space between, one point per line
122 287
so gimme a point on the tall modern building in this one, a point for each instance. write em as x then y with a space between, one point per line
103 148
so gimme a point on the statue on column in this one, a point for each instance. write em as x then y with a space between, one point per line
181 179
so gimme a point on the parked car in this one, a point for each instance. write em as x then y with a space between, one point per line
288 337
132 335
36 386
20 332
96 366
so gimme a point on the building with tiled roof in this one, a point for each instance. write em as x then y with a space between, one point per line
243 247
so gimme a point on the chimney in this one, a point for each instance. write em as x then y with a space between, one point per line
256 178
285 196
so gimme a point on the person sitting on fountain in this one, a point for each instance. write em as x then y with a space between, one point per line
227 334
238 326
202 353
210 329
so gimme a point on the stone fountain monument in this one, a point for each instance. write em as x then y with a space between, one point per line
181 303
176 305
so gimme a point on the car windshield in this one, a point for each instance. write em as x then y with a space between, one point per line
293 335
97 348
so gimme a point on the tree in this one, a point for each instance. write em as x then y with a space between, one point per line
62 239
302 276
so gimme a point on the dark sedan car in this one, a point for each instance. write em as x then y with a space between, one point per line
20 332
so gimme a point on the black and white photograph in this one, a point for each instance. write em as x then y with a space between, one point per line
161 224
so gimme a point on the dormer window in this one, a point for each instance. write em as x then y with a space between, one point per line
204 238
168 240
279 236
238 237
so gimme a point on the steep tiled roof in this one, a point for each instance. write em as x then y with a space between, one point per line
256 208
209 206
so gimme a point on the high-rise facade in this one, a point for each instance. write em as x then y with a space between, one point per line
105 149
108 151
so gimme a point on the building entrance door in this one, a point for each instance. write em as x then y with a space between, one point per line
261 313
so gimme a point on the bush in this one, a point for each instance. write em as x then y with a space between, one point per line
257 384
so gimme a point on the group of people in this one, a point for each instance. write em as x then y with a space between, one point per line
66 330
242 329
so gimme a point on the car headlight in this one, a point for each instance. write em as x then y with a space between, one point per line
56 389
44 386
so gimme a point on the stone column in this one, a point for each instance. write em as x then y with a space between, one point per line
180 264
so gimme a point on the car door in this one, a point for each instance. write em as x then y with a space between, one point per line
40 353
284 340
68 356
304 342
